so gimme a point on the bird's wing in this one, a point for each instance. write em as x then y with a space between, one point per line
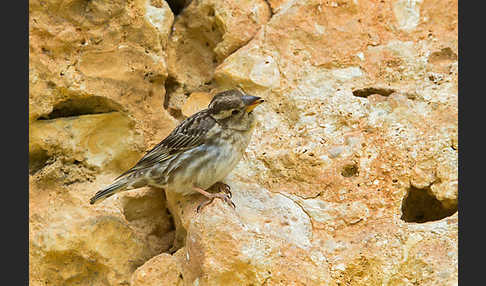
189 134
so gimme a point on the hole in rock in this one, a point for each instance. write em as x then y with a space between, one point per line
177 5
176 113
51 85
171 85
350 171
37 160
173 89
365 92
81 106
211 13
420 205
444 55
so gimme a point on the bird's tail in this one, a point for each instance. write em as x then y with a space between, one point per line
117 186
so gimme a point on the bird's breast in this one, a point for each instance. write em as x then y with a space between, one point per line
225 153
211 162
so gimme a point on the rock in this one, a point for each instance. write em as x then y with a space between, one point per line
406 246
72 241
196 102
352 152
204 34
163 268
266 239
116 51
407 14
80 246
88 140
278 5
96 75
146 212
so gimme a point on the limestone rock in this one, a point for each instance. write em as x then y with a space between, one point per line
80 246
96 87
91 140
277 5
266 239
113 50
407 14
73 242
196 102
146 212
163 268
204 34
352 151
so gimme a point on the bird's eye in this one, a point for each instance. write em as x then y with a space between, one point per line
236 111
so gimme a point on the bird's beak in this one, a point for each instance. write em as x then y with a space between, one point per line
251 102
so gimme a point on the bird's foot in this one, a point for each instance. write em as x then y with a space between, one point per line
222 187
224 196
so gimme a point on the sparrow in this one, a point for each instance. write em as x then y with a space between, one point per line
198 154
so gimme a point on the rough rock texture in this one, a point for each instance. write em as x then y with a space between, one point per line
194 103
97 71
351 175
110 49
203 35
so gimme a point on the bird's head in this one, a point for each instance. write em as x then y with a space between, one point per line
233 108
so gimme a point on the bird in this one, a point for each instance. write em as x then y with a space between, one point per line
198 154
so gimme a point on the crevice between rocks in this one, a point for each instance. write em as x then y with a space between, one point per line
38 160
420 205
176 89
172 86
176 6
151 217
270 9
83 105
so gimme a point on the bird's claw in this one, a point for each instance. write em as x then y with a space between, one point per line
227 199
226 189
222 187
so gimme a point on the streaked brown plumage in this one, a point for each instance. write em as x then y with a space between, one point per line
198 153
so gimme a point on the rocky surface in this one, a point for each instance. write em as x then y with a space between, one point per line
203 35
350 178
